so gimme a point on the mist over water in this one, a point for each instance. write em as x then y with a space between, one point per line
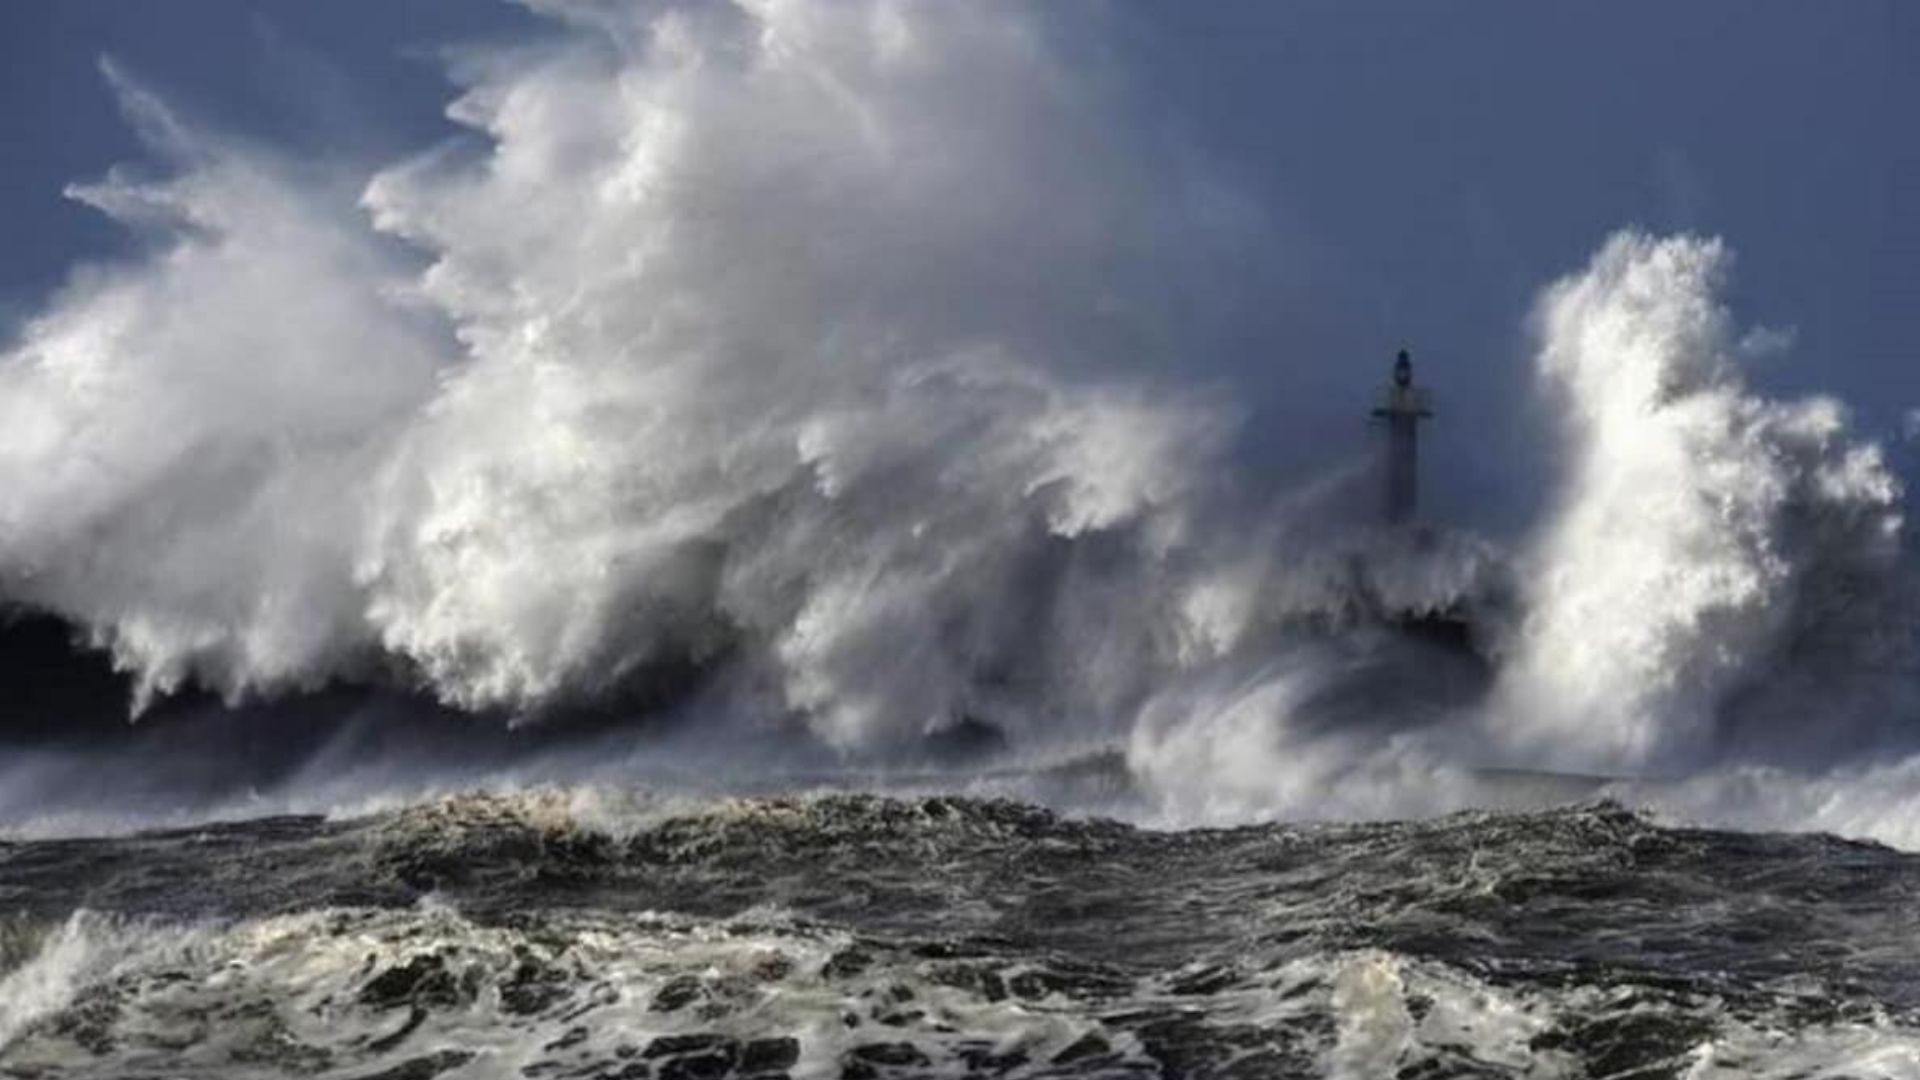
820 374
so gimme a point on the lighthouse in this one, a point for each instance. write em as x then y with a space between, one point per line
1402 409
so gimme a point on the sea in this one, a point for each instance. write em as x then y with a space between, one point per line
602 934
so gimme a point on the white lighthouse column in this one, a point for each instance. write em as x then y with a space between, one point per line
1405 405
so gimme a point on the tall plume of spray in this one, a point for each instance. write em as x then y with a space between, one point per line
1715 556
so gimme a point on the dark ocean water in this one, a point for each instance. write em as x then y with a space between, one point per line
860 936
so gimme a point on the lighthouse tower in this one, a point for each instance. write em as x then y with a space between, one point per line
1402 409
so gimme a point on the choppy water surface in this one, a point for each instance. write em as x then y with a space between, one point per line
865 936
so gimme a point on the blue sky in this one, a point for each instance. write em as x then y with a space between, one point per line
1425 168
